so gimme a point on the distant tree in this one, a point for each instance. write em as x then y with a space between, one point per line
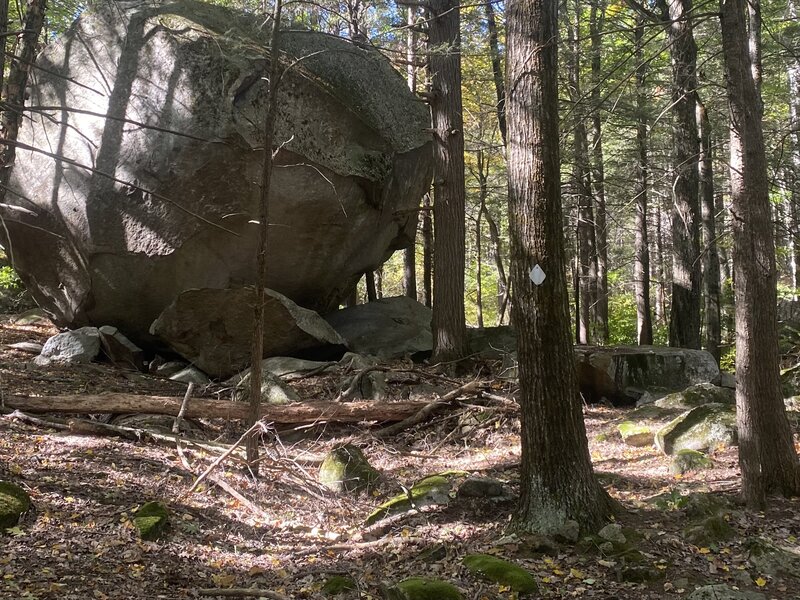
557 481
766 450
444 39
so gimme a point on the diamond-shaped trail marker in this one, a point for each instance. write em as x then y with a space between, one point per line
537 275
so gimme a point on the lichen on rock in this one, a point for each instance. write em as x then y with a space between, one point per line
346 469
14 501
502 572
151 520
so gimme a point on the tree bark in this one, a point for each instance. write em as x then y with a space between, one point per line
711 298
596 21
684 327
766 450
301 412
557 482
257 344
444 39
497 69
657 266
410 253
582 187
427 250
641 268
792 40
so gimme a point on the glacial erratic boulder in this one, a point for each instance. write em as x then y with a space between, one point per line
161 135
213 327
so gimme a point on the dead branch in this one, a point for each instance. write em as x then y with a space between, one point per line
426 411
221 458
293 414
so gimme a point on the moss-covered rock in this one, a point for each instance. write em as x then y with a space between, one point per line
689 460
338 584
273 390
431 490
502 572
422 588
14 501
640 574
772 559
635 434
711 530
702 428
698 395
346 469
723 592
151 520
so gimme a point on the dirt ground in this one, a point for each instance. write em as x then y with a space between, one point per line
79 542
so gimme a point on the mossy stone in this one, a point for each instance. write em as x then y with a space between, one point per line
689 460
635 434
434 489
151 520
712 530
502 572
14 501
422 588
338 584
346 469
772 559
640 574
698 395
699 505
701 428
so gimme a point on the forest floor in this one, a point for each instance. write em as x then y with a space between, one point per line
79 542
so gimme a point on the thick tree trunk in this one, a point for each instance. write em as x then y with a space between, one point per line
427 250
557 482
497 69
641 268
711 297
202 408
766 450
684 327
582 188
792 40
596 21
444 39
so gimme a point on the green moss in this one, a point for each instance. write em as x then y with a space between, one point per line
501 571
422 588
711 531
635 434
346 469
434 489
151 520
690 460
338 584
13 502
701 428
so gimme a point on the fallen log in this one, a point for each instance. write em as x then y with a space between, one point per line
301 412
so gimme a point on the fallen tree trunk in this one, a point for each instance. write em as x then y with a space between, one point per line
302 412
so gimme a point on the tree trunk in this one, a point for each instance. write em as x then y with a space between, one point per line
582 186
257 344
792 40
16 83
657 267
372 290
557 482
444 39
427 250
410 253
497 69
766 449
478 267
596 21
641 268
711 297
684 327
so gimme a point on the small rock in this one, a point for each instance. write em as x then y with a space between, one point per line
273 390
635 434
432 490
689 460
481 487
712 530
372 385
639 574
613 533
191 375
606 548
723 592
337 585
151 520
33 316
346 469
169 368
502 572
71 347
422 588
569 532
120 350
14 501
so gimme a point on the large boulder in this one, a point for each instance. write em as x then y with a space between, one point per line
213 328
385 328
703 429
622 374
161 132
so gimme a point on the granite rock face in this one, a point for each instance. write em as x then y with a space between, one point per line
161 134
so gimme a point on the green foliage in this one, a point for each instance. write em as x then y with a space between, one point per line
727 360
622 319
9 280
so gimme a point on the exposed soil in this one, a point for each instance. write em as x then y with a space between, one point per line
79 542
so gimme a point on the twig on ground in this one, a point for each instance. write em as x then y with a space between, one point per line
426 411
176 426
222 457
